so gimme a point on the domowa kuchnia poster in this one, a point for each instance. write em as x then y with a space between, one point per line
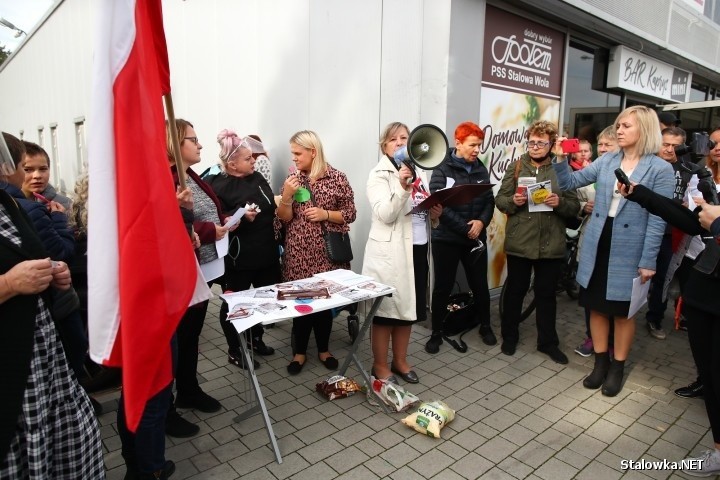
521 83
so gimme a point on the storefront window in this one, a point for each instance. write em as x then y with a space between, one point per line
587 111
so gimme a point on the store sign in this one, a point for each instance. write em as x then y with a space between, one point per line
521 55
635 72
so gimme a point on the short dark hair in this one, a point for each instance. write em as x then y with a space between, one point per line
675 131
15 146
33 150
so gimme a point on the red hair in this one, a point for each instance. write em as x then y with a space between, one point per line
467 129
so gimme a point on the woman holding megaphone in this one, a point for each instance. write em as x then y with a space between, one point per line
397 252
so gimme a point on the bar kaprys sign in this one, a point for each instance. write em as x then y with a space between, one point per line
635 72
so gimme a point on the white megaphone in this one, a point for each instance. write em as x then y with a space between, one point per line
426 148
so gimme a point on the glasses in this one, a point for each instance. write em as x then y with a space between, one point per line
192 139
532 144
243 143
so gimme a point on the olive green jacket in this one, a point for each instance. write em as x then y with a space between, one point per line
536 235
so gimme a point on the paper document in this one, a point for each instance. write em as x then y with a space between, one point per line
222 246
235 219
213 269
536 194
638 297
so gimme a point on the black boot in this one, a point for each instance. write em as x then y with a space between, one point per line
163 474
131 472
613 382
600 371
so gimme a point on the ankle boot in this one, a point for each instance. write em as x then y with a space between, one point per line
597 377
613 382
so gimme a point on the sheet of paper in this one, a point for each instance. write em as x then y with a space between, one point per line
638 297
449 182
213 270
344 277
525 181
534 189
202 292
223 246
235 219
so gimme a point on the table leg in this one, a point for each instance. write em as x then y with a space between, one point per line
352 355
260 406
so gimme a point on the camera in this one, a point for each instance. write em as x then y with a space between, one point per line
702 144
706 185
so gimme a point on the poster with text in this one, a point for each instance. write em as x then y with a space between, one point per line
521 83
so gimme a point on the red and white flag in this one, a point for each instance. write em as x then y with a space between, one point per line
141 267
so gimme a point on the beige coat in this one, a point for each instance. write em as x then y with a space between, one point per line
389 249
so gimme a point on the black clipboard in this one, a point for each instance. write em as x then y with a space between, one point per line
448 197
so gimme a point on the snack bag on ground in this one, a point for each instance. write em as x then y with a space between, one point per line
338 387
394 396
430 418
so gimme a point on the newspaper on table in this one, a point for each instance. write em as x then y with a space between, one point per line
265 305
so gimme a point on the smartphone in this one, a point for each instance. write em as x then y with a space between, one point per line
521 190
571 145
622 178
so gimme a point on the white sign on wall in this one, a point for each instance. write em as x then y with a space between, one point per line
633 71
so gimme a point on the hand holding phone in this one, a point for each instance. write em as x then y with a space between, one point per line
622 178
570 145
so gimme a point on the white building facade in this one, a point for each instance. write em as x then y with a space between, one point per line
347 68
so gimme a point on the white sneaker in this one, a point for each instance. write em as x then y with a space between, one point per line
656 331
706 465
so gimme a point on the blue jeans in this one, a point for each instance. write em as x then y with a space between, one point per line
144 451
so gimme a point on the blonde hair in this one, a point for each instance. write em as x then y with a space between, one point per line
181 127
390 131
78 217
609 133
309 140
650 139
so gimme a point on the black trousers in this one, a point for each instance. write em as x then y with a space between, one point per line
320 323
446 257
237 280
656 306
547 275
188 339
704 336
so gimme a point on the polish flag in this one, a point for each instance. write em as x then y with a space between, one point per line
141 267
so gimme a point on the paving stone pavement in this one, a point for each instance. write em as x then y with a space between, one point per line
516 417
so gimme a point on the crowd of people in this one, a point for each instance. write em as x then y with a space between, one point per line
280 238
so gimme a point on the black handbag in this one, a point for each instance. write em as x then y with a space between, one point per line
459 320
337 244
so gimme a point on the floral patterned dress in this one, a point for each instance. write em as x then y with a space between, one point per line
305 253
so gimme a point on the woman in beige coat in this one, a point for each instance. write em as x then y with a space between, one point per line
397 253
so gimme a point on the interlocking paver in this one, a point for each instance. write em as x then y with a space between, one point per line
516 417
554 469
471 466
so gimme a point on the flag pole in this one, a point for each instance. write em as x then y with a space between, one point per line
175 140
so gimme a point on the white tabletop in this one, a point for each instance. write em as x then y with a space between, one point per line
261 305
